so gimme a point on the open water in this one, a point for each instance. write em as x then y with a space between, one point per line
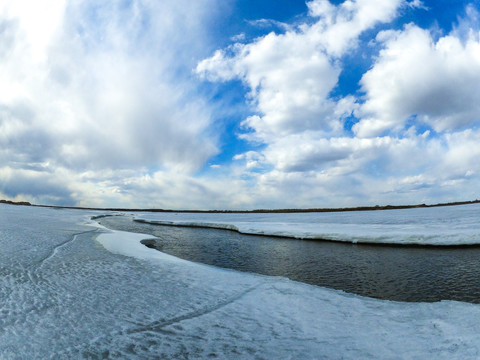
401 273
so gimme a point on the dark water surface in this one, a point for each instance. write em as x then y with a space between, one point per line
399 273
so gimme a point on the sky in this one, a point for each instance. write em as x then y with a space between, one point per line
239 104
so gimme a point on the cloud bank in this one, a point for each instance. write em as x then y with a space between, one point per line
414 118
99 106
98 88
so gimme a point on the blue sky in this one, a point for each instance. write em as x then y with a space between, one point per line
239 104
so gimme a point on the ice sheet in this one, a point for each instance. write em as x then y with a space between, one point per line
64 294
449 225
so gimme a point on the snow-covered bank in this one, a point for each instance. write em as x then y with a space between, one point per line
65 295
440 226
278 318
130 244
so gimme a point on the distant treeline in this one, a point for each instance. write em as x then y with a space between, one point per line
360 208
15 202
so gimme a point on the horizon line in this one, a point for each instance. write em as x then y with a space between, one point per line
285 210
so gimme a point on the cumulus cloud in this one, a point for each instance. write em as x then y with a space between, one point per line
309 151
93 87
338 27
34 184
416 83
291 75
99 107
436 82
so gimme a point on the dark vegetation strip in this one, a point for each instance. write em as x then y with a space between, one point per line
311 210
25 203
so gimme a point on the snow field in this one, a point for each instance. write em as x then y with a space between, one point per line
71 290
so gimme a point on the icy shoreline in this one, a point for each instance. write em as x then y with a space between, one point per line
441 226
279 318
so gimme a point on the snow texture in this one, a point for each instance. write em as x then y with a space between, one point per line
440 226
72 290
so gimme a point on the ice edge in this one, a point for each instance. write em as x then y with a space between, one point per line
246 229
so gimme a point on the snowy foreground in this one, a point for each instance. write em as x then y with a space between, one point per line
448 225
71 290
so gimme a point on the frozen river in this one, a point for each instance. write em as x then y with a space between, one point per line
70 289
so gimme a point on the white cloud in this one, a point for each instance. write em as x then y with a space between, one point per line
269 23
414 81
37 22
289 82
417 4
99 87
98 107
309 158
438 82
253 159
460 159
291 75
310 151
35 185
338 27
94 81
238 37
384 170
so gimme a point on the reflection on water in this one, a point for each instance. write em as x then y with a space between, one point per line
385 272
